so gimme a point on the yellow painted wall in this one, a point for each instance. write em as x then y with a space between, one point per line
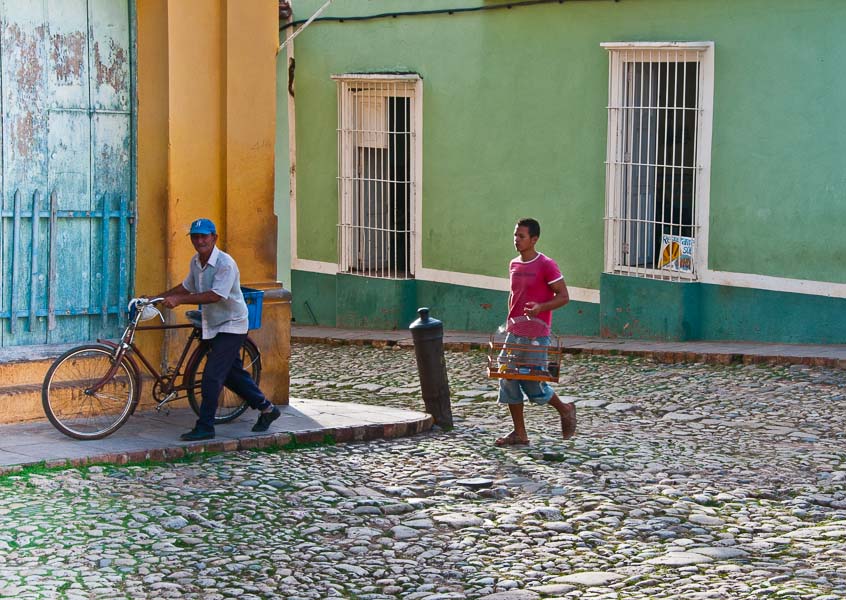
196 105
206 127
250 130
152 163
152 126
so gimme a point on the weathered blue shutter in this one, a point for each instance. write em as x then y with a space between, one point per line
67 192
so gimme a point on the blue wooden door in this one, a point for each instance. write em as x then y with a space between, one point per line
67 233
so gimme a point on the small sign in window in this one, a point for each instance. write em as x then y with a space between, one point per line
677 253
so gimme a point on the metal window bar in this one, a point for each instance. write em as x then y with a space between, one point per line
652 166
376 176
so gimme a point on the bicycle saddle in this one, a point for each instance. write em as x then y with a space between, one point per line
195 317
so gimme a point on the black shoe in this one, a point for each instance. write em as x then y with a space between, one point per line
265 419
195 435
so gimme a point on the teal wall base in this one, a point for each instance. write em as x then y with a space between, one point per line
313 298
361 302
648 309
632 307
475 309
730 313
464 308
370 303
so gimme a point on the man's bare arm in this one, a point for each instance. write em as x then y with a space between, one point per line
561 297
179 295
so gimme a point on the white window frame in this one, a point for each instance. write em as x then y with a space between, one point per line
376 86
621 53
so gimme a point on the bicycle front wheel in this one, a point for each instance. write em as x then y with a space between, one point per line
77 411
230 405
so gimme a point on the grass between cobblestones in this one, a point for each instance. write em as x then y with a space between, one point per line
25 472
745 462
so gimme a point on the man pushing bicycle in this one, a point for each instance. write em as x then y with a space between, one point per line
214 282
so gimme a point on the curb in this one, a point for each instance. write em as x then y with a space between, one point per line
339 435
662 356
715 358
383 343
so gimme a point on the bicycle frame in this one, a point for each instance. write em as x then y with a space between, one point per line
126 344
126 348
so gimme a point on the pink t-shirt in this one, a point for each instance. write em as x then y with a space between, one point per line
530 282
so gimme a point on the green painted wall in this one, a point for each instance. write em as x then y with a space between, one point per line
778 186
491 136
515 124
464 308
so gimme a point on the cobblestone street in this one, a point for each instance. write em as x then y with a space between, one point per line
683 481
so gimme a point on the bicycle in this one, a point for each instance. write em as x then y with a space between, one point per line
91 390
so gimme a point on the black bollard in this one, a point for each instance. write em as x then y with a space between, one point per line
428 336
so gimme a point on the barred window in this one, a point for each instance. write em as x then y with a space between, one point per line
658 157
378 173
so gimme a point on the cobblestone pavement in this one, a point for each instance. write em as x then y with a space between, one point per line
683 481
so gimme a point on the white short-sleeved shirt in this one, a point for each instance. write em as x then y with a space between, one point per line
221 276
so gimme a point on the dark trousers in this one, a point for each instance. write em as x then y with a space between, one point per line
224 368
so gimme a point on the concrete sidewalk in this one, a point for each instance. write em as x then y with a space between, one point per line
833 355
155 436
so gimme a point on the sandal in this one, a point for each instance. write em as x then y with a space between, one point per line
511 440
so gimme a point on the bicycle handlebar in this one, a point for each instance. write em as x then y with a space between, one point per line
149 301
143 309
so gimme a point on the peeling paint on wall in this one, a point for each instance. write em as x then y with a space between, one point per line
27 71
29 68
23 134
68 55
111 71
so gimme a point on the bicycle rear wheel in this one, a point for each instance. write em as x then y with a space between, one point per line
85 415
230 405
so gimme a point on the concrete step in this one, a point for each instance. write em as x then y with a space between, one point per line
20 398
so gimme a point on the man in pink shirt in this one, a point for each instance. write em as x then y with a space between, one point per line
537 288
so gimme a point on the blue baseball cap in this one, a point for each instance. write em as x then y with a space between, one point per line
202 226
